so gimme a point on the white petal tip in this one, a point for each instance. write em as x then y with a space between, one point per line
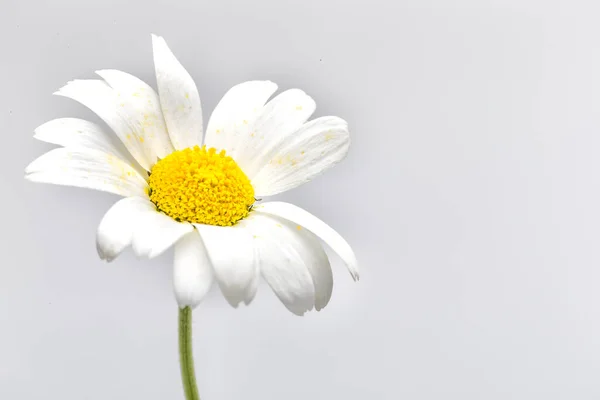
321 304
154 254
147 253
353 269
40 127
59 91
234 302
139 253
141 256
63 90
30 171
31 168
158 40
34 177
299 313
104 255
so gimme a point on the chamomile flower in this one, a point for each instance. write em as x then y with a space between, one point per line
197 189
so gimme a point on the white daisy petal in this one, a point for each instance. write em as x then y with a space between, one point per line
145 110
278 119
74 132
99 97
282 256
87 168
235 112
318 265
232 256
179 97
253 287
156 232
316 147
303 218
118 225
192 274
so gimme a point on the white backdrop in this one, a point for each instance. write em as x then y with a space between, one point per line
471 195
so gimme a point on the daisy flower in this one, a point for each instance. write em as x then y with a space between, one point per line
197 189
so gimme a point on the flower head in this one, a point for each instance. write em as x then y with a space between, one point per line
197 190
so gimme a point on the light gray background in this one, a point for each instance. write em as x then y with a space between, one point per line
470 195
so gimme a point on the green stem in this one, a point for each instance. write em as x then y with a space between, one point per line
186 356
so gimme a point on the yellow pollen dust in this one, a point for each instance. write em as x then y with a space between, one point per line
202 186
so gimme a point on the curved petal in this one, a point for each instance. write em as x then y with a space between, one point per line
179 97
283 256
74 132
232 256
156 232
192 273
278 119
239 107
315 225
87 168
318 265
316 147
118 225
99 97
144 109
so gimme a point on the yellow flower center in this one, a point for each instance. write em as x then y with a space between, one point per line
201 186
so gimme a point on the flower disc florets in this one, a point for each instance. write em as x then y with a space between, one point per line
199 185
